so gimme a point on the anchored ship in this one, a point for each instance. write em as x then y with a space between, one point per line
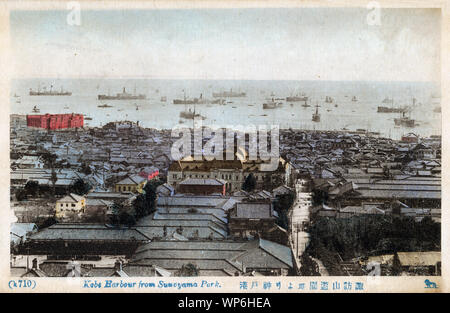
50 92
229 94
392 109
272 104
405 121
382 109
123 96
199 100
316 115
297 98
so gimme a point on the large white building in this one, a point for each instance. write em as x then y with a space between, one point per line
234 172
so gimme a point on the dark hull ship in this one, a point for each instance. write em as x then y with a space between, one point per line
122 96
382 109
316 115
271 105
191 115
198 101
404 121
297 98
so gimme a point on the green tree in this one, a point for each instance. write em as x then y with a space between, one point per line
319 197
85 169
249 183
53 179
126 219
48 222
145 203
31 188
282 205
80 187
21 194
396 265
49 161
188 270
116 210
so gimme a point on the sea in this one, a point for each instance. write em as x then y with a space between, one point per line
156 113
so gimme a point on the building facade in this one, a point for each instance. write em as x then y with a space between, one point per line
55 121
70 204
199 186
233 172
133 184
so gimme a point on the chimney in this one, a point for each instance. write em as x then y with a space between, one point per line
35 265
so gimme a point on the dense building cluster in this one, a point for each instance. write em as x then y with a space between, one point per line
208 217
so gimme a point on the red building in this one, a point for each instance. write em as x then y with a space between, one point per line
55 121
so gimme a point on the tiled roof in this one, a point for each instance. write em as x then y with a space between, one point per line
88 232
252 210
199 181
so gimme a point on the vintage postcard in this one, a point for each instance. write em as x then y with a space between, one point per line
215 147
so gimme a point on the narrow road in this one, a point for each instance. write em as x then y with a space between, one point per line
299 218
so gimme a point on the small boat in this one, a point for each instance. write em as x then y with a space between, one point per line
36 110
87 118
305 105
354 99
104 106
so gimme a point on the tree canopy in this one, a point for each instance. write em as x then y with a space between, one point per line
249 183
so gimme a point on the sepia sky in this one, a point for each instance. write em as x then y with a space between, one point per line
278 44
